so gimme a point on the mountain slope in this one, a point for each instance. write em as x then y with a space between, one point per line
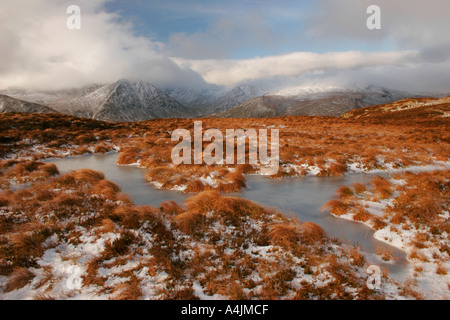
9 104
127 100
47 97
123 101
211 101
312 103
417 108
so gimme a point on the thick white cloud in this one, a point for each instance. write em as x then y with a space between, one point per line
414 71
414 35
38 50
232 72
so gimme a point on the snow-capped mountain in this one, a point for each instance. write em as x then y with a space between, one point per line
310 101
9 104
123 101
127 100
212 101
138 100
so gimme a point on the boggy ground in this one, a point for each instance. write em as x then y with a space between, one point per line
410 211
308 145
77 235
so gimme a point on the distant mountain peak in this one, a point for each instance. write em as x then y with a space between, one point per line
123 101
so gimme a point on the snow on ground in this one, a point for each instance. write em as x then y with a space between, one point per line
429 282
68 261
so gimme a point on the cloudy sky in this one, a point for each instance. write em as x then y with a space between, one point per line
203 43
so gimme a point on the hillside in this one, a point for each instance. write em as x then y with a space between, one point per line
303 102
123 101
8 104
418 108
213 101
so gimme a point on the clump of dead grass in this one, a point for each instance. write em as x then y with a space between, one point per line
88 175
19 279
336 207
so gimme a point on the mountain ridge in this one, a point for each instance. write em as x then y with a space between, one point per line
123 101
424 108
134 100
318 103
10 104
211 101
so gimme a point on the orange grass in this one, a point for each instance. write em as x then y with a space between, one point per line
330 143
336 207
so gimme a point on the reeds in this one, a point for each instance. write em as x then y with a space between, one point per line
359 188
344 192
384 252
336 207
441 269
383 187
19 279
119 246
362 215
106 188
311 233
284 235
338 168
127 292
356 256
190 221
170 207
49 169
128 156
88 175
